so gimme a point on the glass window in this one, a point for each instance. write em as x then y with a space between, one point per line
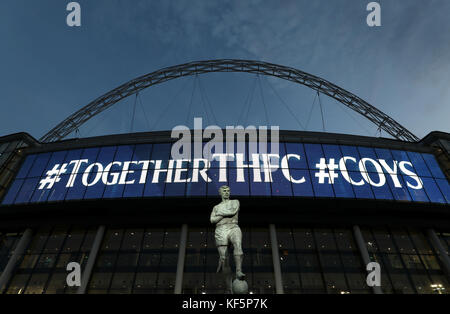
408 259
115 190
39 165
40 196
175 189
56 158
399 190
29 261
57 284
351 151
124 153
258 264
361 191
219 177
382 192
42 268
321 183
433 165
332 151
210 150
26 191
196 188
142 152
76 192
8 244
12 192
96 190
418 195
46 261
122 283
259 188
400 155
297 149
145 282
59 190
342 188
74 154
368 152
301 189
288 261
445 188
106 155
136 261
239 188
135 189
419 164
154 189
280 185
432 190
99 283
91 155
161 152
18 283
314 153
26 166
74 240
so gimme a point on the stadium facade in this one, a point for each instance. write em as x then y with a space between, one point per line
137 221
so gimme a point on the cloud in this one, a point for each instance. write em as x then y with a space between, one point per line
407 56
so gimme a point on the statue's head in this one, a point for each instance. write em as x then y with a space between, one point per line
224 191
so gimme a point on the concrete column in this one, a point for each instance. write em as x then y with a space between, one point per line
18 252
364 253
91 260
442 252
276 260
181 258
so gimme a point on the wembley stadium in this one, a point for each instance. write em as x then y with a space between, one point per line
315 208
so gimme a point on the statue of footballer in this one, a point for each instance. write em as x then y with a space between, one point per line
225 216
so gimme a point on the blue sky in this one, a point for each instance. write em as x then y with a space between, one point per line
49 70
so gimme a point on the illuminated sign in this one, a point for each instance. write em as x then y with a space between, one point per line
296 170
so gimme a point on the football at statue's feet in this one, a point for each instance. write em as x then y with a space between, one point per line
240 275
240 286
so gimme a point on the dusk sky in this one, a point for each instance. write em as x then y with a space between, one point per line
49 70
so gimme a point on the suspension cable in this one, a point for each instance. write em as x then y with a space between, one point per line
353 118
158 119
192 99
134 112
107 115
285 104
208 103
262 99
311 110
246 103
203 103
143 110
321 111
250 102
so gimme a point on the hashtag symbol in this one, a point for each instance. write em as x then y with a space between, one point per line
52 177
323 168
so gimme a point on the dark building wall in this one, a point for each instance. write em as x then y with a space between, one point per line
315 238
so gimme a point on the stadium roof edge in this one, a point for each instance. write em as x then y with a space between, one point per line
285 135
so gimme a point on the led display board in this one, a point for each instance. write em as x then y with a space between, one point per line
296 170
